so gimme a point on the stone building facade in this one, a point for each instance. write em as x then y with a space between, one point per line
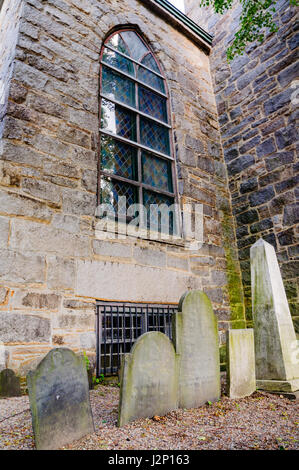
53 266
257 102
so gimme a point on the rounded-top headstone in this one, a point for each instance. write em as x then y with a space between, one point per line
197 343
59 399
148 378
9 384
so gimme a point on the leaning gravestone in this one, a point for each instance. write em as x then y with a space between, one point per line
148 379
240 363
197 344
276 350
59 399
9 384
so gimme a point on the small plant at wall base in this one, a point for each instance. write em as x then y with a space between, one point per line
256 15
98 380
87 362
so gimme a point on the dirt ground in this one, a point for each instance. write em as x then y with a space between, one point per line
262 421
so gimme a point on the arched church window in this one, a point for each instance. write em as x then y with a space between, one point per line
136 140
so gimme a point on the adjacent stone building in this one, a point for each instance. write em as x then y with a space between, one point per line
257 103
54 267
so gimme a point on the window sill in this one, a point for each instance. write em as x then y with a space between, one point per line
120 230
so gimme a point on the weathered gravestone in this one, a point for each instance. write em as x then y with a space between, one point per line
9 384
240 363
197 344
276 350
148 379
59 399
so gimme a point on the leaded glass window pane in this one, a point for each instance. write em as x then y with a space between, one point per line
118 61
118 158
152 104
135 45
118 120
156 172
116 87
117 42
113 189
154 136
151 79
132 144
158 217
150 62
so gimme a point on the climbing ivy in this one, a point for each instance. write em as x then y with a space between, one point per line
255 16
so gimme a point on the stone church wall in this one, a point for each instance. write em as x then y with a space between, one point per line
52 266
257 102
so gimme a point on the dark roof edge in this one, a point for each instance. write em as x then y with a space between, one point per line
182 22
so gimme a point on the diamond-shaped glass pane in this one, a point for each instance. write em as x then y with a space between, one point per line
118 158
150 62
152 104
118 87
134 44
118 61
150 79
118 120
117 42
111 190
154 136
159 217
156 172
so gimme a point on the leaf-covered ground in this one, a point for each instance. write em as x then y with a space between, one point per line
262 421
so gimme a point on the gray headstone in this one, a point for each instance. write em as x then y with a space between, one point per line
240 363
148 379
9 384
196 341
59 399
276 348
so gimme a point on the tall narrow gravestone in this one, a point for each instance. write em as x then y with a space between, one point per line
9 384
276 350
240 377
148 379
197 344
59 399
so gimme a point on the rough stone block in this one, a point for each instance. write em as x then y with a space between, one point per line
59 400
148 379
116 250
61 273
21 268
42 189
21 205
4 231
30 236
19 328
196 341
105 280
240 363
36 300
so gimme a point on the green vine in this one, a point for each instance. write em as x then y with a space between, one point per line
256 15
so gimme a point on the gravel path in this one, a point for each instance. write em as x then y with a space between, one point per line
262 421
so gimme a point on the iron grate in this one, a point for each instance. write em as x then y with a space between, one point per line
120 324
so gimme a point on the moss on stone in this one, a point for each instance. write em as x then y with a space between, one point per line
222 353
234 278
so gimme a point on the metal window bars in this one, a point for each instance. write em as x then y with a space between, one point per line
118 326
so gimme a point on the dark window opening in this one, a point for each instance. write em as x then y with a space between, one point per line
120 324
